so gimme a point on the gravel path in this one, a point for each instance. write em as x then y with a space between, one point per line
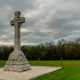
36 71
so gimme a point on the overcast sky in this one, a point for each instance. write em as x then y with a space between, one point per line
46 20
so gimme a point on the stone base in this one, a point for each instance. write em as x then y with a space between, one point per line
17 62
35 72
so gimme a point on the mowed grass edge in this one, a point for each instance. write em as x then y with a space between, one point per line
70 71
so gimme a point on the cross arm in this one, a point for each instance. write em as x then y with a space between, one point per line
22 20
12 23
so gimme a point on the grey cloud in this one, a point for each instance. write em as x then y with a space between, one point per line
47 21
19 4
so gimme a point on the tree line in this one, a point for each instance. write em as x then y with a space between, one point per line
70 51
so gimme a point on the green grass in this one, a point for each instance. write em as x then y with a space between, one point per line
70 71
2 63
66 63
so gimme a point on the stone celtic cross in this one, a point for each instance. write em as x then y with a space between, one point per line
17 21
17 60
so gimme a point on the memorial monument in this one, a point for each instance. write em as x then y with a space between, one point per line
17 60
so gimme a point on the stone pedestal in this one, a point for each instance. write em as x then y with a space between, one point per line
17 62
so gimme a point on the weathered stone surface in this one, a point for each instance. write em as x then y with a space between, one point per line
17 62
35 72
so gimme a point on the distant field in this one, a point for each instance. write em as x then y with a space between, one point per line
66 63
70 71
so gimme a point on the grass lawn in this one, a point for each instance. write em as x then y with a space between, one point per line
70 71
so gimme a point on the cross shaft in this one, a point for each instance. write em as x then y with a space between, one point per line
17 21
